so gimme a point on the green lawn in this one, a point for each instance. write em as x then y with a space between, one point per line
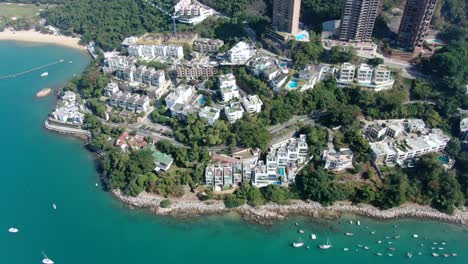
18 10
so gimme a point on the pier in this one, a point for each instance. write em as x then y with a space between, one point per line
30 70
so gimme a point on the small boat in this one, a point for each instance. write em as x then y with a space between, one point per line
380 241
351 221
366 247
358 223
409 255
443 243
13 230
432 248
308 247
297 224
422 245
301 231
392 248
435 254
349 234
454 254
389 242
97 185
390 255
54 206
387 237
345 249
396 237
419 253
70 62
46 259
313 237
298 244
446 255
379 254
326 246
415 236
373 233
61 60
44 74
359 246
441 248
434 243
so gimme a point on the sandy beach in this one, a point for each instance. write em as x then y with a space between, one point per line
37 37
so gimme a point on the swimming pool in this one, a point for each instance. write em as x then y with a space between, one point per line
281 171
443 159
202 101
301 36
434 41
293 84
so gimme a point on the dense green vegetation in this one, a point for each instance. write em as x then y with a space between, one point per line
107 22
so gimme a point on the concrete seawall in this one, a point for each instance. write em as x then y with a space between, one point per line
67 130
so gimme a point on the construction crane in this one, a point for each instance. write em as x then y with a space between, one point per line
173 16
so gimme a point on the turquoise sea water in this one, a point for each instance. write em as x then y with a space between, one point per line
39 168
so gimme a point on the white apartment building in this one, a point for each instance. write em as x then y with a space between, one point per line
132 102
110 89
283 162
196 69
377 79
227 85
67 111
347 72
252 104
155 51
211 114
180 95
241 53
233 112
158 79
207 45
364 74
138 74
115 63
338 161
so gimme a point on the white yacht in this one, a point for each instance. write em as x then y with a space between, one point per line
13 230
298 244
46 260
44 74
326 246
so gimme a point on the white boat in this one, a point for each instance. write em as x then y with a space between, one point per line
345 249
443 243
349 234
441 248
54 206
373 233
390 255
379 254
380 241
44 74
61 60
298 244
415 236
326 246
366 248
392 249
46 260
397 237
351 221
435 254
13 230
297 224
409 255
301 231
446 255
358 223
97 185
454 254
313 237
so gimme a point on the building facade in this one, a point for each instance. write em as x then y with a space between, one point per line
286 15
415 23
207 45
357 20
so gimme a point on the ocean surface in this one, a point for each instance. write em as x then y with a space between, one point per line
39 168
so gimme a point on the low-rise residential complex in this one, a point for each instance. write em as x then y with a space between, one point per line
400 142
132 102
196 69
283 162
338 160
252 104
227 85
150 52
206 45
211 114
192 13
234 112
241 53
67 110
128 141
363 76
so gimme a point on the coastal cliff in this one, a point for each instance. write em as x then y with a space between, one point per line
270 212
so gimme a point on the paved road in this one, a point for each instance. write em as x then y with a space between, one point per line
306 120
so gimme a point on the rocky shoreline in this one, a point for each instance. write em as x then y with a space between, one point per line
272 212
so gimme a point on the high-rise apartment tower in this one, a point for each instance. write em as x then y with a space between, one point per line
357 20
415 22
286 15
